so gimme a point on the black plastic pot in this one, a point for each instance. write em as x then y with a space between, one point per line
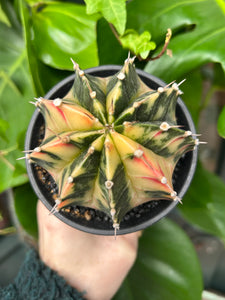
139 217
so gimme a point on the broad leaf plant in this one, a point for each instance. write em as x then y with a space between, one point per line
37 40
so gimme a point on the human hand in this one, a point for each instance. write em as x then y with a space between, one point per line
91 263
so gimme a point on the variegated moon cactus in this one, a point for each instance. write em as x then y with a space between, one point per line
112 143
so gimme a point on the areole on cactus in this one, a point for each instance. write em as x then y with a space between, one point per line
112 143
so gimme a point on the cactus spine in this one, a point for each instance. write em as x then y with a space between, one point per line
112 143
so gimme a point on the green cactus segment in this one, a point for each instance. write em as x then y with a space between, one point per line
77 180
89 92
130 113
54 155
64 115
159 106
121 90
154 106
112 143
56 152
112 192
146 170
172 143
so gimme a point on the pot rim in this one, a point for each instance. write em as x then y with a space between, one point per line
141 226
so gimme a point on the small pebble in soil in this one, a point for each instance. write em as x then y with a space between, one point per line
87 215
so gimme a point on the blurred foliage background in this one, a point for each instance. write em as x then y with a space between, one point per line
37 40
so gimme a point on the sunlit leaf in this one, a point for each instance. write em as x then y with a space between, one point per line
114 11
4 18
64 31
138 44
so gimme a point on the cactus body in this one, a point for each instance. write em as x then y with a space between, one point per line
112 143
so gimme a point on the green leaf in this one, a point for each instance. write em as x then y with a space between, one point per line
38 69
20 140
195 41
3 127
138 44
114 11
64 31
218 77
221 4
19 170
104 49
9 13
15 93
4 18
32 2
221 123
166 267
204 203
192 96
25 202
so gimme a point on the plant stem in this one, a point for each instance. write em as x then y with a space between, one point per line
114 31
166 43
